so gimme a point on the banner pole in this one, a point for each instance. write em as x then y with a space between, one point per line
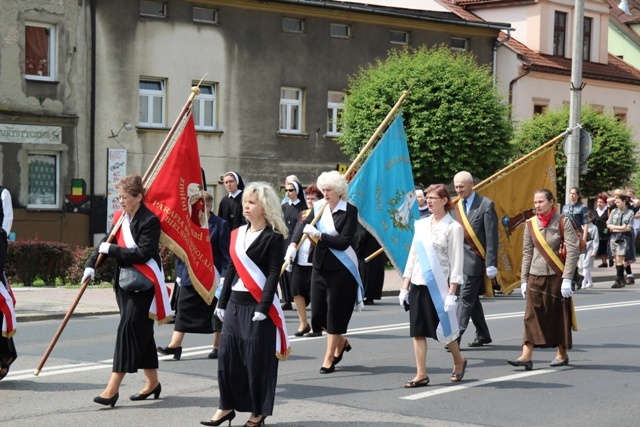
150 170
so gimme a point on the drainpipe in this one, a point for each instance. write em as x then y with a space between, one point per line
496 45
512 83
92 125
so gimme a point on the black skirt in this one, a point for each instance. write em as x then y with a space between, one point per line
333 297
247 363
423 317
301 282
135 345
193 314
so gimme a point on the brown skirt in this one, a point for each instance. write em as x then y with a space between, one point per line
547 318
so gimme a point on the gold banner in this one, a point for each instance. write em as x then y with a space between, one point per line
512 194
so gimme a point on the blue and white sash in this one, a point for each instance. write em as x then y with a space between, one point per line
347 257
448 329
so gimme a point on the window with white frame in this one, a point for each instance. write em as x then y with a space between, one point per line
154 9
586 39
291 110
44 180
399 37
340 30
335 105
152 103
40 51
204 107
458 43
292 25
205 15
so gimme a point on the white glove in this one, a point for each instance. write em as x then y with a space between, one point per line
220 313
289 268
450 303
311 231
104 248
88 272
566 288
523 289
359 306
258 317
291 254
221 282
403 297
492 272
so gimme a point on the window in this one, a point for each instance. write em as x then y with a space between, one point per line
155 9
290 25
559 33
44 180
620 113
204 107
152 103
458 43
399 37
586 47
205 15
340 30
539 109
334 110
40 51
290 110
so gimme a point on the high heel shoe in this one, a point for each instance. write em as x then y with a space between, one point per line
176 351
328 370
528 364
229 417
347 347
111 401
300 333
255 423
142 396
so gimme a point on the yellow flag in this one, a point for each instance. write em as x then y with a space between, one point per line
512 194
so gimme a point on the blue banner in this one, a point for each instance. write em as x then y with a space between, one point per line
383 191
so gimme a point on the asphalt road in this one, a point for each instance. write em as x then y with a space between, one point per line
601 386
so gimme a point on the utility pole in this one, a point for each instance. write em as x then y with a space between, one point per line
571 170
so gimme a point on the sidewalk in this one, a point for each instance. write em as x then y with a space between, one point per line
43 303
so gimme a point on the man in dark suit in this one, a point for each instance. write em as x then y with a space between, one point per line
479 260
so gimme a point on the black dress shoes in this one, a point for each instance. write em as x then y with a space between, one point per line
328 370
111 401
528 364
479 342
555 362
303 332
213 354
177 351
230 416
142 396
313 334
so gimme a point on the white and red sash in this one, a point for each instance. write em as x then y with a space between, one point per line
254 280
8 309
161 312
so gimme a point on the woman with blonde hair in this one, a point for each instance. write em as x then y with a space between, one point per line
254 334
335 280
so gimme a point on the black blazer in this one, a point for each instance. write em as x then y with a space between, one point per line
145 229
267 251
346 224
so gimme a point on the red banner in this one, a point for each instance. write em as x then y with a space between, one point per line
175 196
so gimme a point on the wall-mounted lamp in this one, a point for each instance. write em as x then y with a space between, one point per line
125 125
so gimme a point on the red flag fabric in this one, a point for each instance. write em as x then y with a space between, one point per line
175 196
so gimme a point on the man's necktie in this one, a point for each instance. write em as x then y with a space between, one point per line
464 205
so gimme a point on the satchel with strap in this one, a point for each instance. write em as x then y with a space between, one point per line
562 249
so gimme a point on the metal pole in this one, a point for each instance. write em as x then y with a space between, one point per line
576 87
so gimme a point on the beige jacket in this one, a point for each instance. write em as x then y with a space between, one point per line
532 260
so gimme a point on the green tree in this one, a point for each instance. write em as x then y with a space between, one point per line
454 118
613 158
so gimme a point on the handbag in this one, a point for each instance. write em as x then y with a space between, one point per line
131 279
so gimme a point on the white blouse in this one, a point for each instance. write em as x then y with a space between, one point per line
447 238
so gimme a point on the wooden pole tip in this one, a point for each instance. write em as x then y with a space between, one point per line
36 372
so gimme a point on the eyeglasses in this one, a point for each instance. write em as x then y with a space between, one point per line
289 190
433 198
123 197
